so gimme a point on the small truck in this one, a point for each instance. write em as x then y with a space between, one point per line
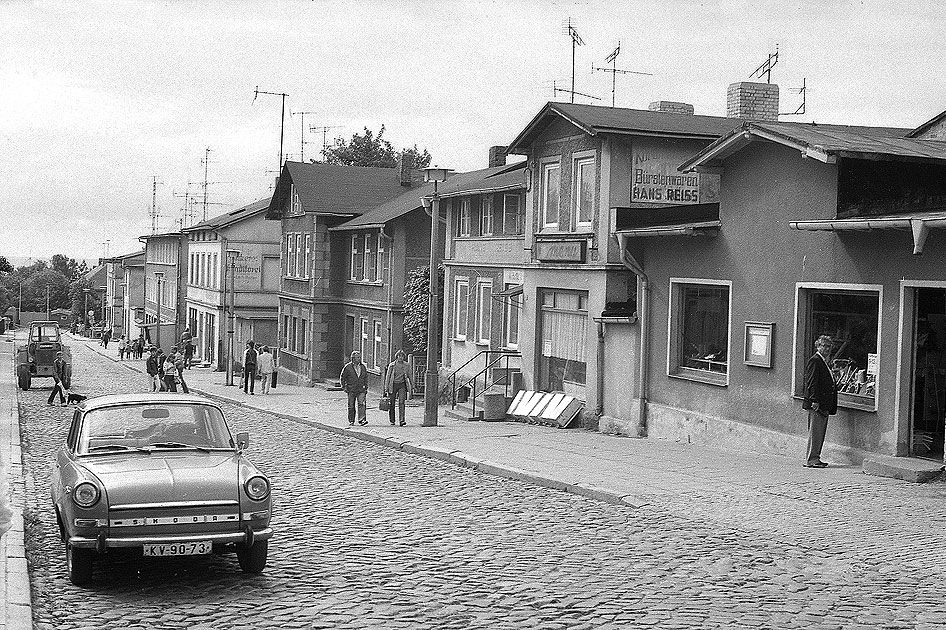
36 357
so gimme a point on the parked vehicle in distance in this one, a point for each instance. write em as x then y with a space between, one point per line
160 473
35 358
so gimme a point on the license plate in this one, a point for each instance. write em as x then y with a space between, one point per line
178 549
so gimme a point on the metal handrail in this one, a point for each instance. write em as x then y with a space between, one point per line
503 355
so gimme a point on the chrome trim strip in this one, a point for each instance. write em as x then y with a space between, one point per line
137 541
171 504
180 519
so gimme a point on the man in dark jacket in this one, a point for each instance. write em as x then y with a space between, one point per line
59 378
250 359
354 379
152 365
821 399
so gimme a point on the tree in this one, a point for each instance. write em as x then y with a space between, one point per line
68 267
34 291
5 266
368 149
78 301
416 292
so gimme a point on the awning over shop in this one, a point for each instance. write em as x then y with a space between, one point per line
701 228
510 292
919 224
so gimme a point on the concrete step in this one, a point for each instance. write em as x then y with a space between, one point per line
905 468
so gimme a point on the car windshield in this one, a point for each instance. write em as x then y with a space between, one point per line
146 427
46 332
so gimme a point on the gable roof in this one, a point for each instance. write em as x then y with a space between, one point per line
330 189
935 120
234 216
594 119
484 180
822 142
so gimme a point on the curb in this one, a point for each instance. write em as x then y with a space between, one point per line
455 457
17 611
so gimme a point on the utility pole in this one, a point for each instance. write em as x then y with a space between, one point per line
231 316
324 130
47 302
614 70
302 141
282 118
206 161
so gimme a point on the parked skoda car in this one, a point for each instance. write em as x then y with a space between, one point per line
160 473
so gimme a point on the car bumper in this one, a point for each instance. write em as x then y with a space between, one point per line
243 537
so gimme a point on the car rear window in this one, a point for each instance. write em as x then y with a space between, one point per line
126 427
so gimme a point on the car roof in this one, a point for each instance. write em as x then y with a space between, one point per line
111 400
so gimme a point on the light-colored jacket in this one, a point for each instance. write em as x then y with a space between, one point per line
396 370
265 363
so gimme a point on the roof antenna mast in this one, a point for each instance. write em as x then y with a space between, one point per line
282 118
614 70
765 68
569 30
803 90
302 140
154 203
324 129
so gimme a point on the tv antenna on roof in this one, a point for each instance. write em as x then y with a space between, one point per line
558 90
302 141
569 30
803 90
765 68
154 203
324 129
282 116
614 70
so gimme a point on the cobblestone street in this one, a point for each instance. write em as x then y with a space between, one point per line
371 537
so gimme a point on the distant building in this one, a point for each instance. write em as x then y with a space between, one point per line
62 316
115 288
165 283
253 274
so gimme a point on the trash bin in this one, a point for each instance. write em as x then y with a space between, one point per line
463 393
494 406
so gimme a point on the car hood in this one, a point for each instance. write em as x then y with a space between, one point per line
191 476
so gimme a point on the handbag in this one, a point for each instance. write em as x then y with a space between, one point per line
385 403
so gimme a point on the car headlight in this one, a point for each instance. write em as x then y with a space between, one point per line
257 488
86 494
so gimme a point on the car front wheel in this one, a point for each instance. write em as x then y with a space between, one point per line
79 563
253 559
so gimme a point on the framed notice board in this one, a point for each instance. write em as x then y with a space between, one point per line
759 337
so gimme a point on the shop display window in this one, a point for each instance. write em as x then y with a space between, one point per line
851 319
699 339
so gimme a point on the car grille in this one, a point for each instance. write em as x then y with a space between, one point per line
173 519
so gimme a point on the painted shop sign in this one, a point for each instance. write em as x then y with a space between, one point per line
560 251
248 271
655 178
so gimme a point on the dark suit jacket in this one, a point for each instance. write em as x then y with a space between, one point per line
820 387
59 370
351 382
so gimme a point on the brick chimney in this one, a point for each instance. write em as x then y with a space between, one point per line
671 107
755 101
497 156
404 166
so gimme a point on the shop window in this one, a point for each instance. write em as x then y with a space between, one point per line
699 331
583 188
486 216
461 299
563 342
851 318
550 194
484 311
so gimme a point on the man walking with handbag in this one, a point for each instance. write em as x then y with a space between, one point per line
354 380
398 386
821 399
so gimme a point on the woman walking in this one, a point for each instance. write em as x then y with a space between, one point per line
266 367
398 385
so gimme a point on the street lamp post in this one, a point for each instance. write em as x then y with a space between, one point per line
47 302
159 277
431 378
85 312
231 316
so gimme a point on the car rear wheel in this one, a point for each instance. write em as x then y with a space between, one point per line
253 559
79 564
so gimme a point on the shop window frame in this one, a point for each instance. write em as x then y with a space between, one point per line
800 353
674 333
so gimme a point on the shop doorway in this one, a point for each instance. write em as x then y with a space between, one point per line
928 387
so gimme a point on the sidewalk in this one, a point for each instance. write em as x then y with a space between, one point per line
617 470
15 611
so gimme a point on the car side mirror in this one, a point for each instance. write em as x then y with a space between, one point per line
242 441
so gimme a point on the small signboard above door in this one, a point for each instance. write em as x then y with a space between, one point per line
560 251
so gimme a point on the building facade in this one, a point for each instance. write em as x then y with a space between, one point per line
115 288
165 283
133 299
236 252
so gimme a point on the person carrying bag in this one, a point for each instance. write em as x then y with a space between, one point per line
398 385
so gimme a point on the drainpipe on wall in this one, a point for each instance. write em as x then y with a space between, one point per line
644 318
599 411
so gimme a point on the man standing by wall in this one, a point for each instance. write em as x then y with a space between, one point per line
354 379
821 399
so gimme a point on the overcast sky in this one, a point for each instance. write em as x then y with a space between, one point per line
96 97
